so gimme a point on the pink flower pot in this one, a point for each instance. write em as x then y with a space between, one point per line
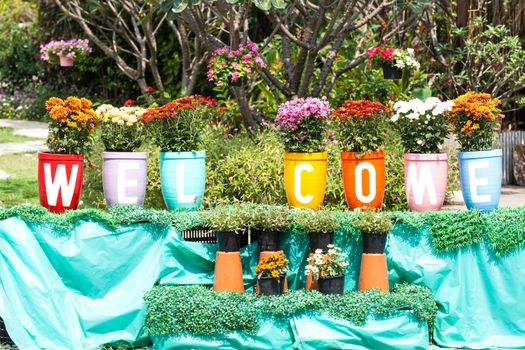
66 61
426 178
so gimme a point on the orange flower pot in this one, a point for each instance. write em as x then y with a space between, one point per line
228 272
364 179
305 179
374 272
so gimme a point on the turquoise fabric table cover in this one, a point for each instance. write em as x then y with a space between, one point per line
86 289
315 332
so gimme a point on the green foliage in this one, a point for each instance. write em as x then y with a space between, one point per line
450 230
453 230
373 222
121 138
227 218
317 221
199 311
270 218
506 229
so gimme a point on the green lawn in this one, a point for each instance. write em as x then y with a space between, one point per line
22 186
7 135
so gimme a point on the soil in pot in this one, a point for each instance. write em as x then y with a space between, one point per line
374 243
321 241
268 240
332 285
271 286
229 241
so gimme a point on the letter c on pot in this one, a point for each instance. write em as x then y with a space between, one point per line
297 188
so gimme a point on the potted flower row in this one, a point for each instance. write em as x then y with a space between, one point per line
359 128
175 128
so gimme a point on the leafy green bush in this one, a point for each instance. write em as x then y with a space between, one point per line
320 221
373 222
197 310
227 218
269 217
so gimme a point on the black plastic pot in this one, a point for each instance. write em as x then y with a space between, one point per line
268 240
321 241
229 241
374 243
390 72
4 336
332 285
271 286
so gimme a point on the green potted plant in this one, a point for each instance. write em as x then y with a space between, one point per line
228 222
374 227
320 226
267 222
271 274
328 269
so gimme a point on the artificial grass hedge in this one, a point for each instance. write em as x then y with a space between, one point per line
197 310
503 228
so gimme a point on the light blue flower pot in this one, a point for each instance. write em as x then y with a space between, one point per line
480 174
183 179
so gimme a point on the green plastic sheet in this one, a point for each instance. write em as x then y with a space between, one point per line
315 332
86 289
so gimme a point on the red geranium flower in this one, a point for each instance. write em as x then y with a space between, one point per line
150 89
129 103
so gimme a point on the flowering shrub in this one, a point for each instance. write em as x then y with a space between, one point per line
72 122
394 57
274 266
422 125
302 124
474 119
70 49
330 264
121 127
360 125
177 126
228 66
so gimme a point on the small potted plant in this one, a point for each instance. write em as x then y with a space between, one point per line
177 128
302 124
393 61
360 131
228 222
423 126
320 226
64 51
328 269
267 223
60 171
374 227
475 121
271 274
228 67
123 171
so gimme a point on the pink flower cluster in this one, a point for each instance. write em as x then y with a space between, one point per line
66 48
293 113
227 65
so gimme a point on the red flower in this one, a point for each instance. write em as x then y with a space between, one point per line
129 103
150 89
171 109
387 54
359 109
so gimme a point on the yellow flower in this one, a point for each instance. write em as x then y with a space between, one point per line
275 274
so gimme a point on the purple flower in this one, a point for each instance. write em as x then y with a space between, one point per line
293 113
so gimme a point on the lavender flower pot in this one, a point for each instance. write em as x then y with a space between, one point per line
124 177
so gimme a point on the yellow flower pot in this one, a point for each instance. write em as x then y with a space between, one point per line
305 179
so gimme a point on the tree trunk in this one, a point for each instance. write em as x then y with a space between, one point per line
249 117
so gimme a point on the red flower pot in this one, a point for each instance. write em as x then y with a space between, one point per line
60 180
